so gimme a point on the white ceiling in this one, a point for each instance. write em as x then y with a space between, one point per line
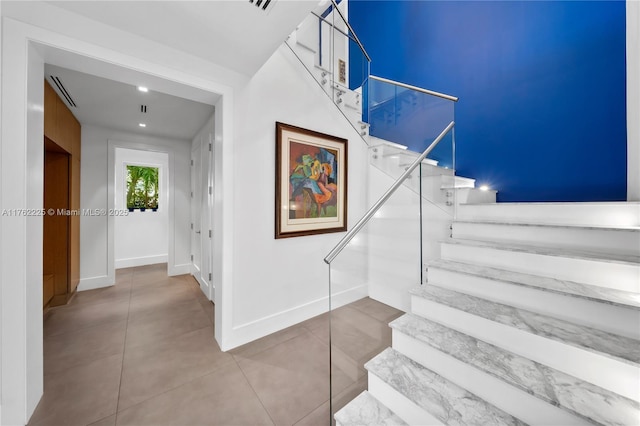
116 105
233 33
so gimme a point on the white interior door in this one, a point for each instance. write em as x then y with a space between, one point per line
206 203
196 211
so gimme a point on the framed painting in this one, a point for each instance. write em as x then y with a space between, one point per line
311 182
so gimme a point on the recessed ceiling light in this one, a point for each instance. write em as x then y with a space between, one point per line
143 89
484 188
142 125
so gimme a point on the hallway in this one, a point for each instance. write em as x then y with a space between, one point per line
142 353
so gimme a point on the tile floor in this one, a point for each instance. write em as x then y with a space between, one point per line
142 353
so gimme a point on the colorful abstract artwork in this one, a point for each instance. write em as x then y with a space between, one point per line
310 182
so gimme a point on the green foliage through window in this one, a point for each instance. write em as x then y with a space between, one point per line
142 187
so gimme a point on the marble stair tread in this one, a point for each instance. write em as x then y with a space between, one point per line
550 251
444 400
606 344
365 409
571 288
555 387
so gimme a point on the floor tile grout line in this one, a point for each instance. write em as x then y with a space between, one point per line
91 360
214 371
172 337
124 348
269 347
254 391
168 390
311 412
102 324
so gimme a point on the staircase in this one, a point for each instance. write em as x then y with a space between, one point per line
531 315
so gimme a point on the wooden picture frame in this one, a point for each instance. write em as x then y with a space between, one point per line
311 182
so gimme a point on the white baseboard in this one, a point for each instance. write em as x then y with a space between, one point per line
95 282
140 261
253 330
179 269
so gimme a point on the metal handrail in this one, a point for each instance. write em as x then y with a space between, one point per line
369 214
334 27
418 89
355 36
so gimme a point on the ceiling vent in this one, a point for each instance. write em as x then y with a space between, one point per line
63 91
262 4
143 109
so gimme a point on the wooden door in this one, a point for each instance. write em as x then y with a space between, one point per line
56 230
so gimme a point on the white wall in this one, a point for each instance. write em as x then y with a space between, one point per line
633 100
141 238
280 282
21 174
97 232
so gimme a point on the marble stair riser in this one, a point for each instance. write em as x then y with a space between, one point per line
611 274
612 374
601 315
404 408
582 238
510 399
617 214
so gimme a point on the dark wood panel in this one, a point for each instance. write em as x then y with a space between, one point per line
64 121
50 107
61 257
47 289
56 226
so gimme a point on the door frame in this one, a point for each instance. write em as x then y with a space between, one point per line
25 49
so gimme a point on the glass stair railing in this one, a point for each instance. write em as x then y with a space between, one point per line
402 118
410 135
328 48
384 255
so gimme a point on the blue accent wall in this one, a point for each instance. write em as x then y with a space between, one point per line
542 87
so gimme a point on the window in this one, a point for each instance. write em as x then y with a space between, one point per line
142 187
